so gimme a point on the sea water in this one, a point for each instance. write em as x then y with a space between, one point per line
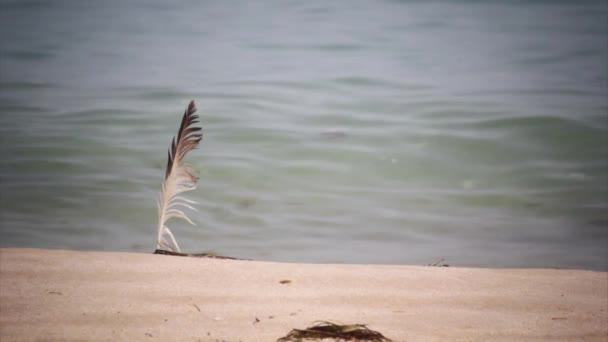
392 132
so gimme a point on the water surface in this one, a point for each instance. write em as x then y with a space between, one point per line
395 132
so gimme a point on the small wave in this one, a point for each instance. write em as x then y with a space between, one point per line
26 85
28 55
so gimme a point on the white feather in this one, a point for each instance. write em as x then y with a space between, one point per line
179 178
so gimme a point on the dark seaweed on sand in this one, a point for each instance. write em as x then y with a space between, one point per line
324 329
194 255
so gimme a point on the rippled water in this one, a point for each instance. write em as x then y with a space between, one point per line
336 132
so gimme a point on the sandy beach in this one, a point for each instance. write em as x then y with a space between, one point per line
68 295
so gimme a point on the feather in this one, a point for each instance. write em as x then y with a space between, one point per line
179 177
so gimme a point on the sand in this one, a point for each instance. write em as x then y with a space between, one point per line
68 295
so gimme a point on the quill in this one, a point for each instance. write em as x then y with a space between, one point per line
179 177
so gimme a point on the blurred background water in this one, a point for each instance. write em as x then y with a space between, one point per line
396 132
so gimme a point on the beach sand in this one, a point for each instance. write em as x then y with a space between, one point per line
68 295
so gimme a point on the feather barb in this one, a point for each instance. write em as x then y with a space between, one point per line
179 177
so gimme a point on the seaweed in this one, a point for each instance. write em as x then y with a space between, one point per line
439 263
195 255
325 329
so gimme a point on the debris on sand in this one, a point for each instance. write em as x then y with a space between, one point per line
195 255
325 329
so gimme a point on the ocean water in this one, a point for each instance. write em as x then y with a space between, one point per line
385 132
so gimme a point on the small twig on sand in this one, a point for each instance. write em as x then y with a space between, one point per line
195 255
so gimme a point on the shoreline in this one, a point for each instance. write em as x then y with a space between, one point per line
67 295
